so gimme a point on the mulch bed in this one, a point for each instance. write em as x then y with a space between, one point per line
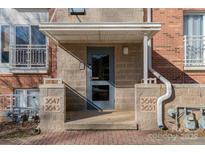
14 130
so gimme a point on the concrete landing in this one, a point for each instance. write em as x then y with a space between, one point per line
93 120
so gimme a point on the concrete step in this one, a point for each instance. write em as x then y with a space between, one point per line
98 126
101 120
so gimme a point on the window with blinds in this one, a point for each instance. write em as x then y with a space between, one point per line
194 39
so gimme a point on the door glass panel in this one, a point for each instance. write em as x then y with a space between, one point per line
100 93
100 67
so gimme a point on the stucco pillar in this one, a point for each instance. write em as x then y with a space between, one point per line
52 107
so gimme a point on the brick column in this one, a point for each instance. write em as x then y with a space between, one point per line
52 107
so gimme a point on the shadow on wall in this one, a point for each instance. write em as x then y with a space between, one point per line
9 83
128 71
15 16
82 108
173 74
81 102
78 106
169 71
75 100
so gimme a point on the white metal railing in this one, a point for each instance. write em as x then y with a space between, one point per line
194 51
29 56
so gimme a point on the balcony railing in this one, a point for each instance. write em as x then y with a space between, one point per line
194 51
29 57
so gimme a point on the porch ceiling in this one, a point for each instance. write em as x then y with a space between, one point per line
99 32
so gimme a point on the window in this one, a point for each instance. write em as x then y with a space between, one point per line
22 35
193 25
5 41
77 11
26 35
37 37
28 98
30 48
194 39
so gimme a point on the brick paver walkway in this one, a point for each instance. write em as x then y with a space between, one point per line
107 137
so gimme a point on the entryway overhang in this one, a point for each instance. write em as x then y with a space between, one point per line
99 32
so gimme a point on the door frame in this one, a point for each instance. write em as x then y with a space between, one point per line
88 85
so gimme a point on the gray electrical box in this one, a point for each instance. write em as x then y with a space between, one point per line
189 122
172 112
202 122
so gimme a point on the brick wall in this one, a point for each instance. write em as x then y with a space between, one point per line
9 82
168 47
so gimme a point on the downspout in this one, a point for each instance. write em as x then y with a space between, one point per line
168 85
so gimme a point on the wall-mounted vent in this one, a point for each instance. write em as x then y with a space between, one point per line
77 11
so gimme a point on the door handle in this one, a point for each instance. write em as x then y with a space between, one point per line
94 78
89 66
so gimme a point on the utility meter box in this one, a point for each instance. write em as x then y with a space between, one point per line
190 122
172 112
202 122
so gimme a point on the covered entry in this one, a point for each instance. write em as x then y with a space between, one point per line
123 32
98 73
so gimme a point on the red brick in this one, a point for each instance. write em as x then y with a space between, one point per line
168 47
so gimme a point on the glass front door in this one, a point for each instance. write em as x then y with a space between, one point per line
100 77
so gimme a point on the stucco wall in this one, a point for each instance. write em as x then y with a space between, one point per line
13 17
183 95
128 71
23 16
102 15
68 69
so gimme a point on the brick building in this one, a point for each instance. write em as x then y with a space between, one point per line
168 46
103 68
